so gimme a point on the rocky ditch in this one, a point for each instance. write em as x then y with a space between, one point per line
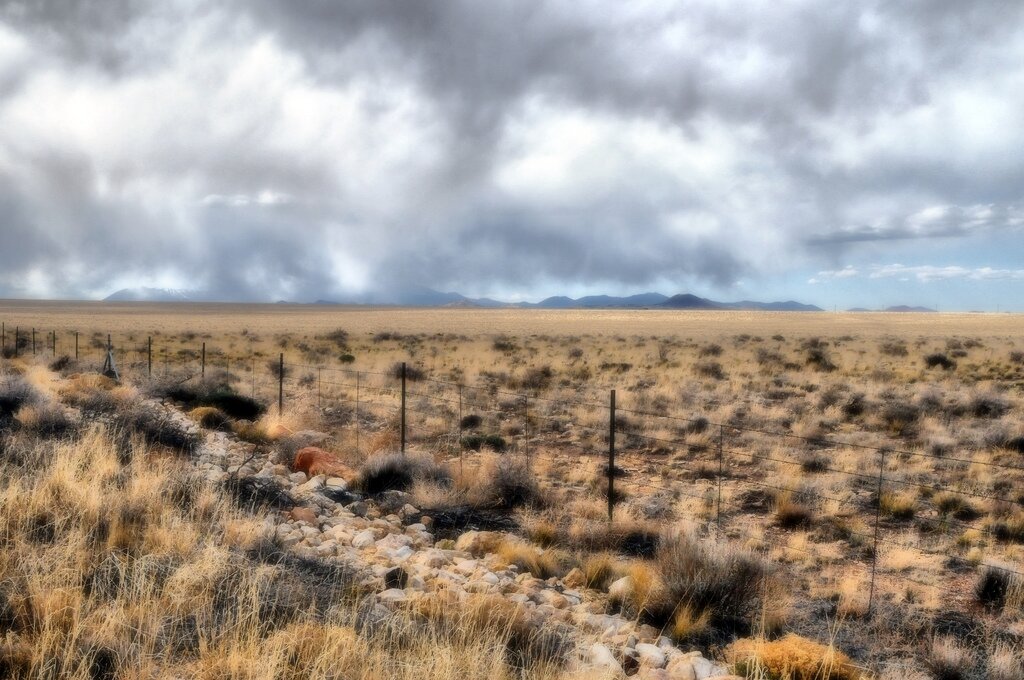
406 556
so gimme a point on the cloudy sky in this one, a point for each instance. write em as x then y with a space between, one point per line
842 153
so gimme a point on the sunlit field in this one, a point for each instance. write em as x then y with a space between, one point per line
871 464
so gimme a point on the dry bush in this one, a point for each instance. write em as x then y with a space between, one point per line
527 558
397 472
790 658
947 659
721 579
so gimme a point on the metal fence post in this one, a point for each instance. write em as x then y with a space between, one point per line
319 388
53 343
403 407
203 363
462 469
149 352
878 517
721 468
33 342
526 428
611 456
357 411
76 345
3 334
280 385
17 332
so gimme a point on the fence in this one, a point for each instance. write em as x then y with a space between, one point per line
722 468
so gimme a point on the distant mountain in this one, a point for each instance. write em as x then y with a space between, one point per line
421 296
859 309
599 301
905 308
690 301
153 295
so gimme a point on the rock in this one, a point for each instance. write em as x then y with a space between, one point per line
393 595
650 655
575 578
681 668
336 484
703 668
396 578
649 673
300 514
553 599
427 521
359 508
364 539
312 486
479 543
619 590
601 657
314 461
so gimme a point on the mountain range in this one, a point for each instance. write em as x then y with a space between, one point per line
427 297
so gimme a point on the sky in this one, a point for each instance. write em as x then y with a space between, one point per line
838 153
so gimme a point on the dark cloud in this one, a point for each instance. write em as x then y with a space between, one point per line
263 148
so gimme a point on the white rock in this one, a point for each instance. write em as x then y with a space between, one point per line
601 657
364 539
650 655
393 595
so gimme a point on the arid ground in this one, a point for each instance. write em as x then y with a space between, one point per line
873 463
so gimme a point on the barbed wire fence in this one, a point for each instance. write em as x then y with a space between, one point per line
724 472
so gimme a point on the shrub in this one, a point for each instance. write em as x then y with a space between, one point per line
947 660
790 514
258 493
471 422
939 360
542 564
1017 357
993 587
211 418
718 578
537 379
476 442
397 472
15 393
504 344
412 373
855 406
712 350
790 658
897 506
512 485
159 428
893 348
710 369
988 406
48 420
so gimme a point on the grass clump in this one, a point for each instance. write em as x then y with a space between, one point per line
790 658
476 442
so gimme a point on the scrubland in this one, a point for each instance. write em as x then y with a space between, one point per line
770 468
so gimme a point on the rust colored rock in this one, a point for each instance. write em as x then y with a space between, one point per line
300 514
314 461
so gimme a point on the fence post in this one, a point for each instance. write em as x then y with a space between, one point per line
253 378
280 385
76 345
721 468
203 368
462 471
878 516
357 411
53 340
3 334
611 456
319 388
526 423
149 352
17 332
403 407
33 342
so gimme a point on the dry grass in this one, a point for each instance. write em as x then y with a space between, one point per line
791 658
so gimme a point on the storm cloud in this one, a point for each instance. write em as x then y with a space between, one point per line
266 149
